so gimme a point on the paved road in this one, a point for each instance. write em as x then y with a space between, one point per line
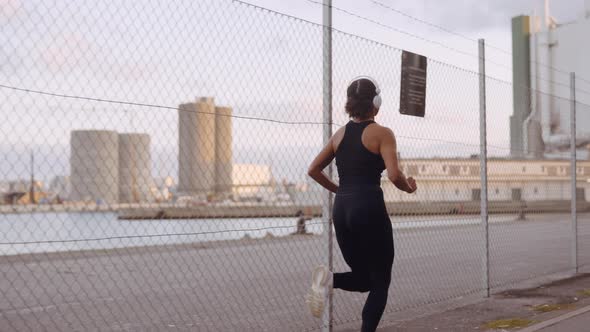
258 285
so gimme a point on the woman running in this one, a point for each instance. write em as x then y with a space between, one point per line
363 149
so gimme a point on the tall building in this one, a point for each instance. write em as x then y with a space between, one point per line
223 150
544 52
108 167
135 179
94 163
196 147
205 148
521 79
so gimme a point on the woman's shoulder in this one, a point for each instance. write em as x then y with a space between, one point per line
340 131
380 129
337 138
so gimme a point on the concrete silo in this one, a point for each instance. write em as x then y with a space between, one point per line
94 164
223 149
135 179
196 148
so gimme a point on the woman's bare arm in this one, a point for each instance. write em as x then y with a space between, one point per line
316 169
388 150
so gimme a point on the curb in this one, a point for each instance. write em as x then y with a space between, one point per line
556 320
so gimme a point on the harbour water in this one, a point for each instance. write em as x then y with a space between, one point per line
68 231
50 232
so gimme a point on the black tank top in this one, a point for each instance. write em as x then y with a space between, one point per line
357 166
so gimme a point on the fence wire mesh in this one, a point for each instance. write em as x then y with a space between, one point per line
170 142
154 161
529 196
426 257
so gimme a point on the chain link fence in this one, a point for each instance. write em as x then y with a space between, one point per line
530 210
433 260
154 161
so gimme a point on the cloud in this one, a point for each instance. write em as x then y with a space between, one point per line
9 63
72 51
67 49
471 15
9 9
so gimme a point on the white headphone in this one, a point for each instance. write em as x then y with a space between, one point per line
377 99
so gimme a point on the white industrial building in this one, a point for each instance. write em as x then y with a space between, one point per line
545 51
61 186
253 182
165 187
456 180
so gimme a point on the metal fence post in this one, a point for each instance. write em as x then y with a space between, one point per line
484 169
327 133
573 171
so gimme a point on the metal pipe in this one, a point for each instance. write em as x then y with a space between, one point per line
484 169
573 171
327 134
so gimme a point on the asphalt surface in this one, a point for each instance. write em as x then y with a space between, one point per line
258 285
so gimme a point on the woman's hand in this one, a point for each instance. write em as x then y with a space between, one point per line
411 185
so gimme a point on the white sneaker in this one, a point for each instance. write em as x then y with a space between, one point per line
322 281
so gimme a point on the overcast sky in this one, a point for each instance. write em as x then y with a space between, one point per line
262 64
488 19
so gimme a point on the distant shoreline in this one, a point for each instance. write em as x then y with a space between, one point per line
249 210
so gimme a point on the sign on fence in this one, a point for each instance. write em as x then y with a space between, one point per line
413 84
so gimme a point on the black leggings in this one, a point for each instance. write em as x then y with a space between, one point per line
364 234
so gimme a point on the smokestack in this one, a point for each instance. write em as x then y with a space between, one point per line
550 22
546 15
